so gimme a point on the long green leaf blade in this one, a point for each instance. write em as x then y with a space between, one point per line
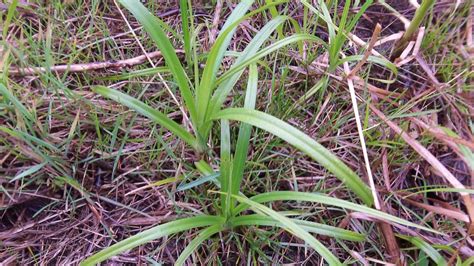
149 112
302 142
252 48
268 50
184 11
197 182
215 57
29 171
245 130
373 59
152 234
294 229
226 174
310 227
152 25
14 100
427 248
205 91
324 199
194 244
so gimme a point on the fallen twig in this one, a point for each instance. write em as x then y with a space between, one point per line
86 66
370 46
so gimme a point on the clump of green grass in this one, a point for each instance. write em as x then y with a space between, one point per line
37 159
203 100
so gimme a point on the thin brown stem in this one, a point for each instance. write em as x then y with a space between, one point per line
27 71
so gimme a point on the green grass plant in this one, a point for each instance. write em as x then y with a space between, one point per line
203 98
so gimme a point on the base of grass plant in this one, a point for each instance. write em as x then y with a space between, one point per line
266 217
412 28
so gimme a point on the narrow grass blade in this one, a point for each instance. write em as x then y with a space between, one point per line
427 248
18 105
274 13
322 83
439 189
468 262
293 228
359 14
413 27
468 154
335 44
268 50
157 184
327 200
136 74
152 25
204 167
29 138
226 173
184 11
216 55
377 60
252 48
197 182
337 35
152 234
205 91
325 15
310 227
7 21
197 241
149 112
302 142
29 171
245 130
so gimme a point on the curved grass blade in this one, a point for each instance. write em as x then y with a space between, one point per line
152 25
310 227
373 59
149 112
216 55
18 105
323 199
9 17
297 30
197 182
207 83
30 139
268 50
29 171
337 34
152 234
293 228
302 142
427 248
254 45
438 189
322 83
194 244
274 12
359 14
